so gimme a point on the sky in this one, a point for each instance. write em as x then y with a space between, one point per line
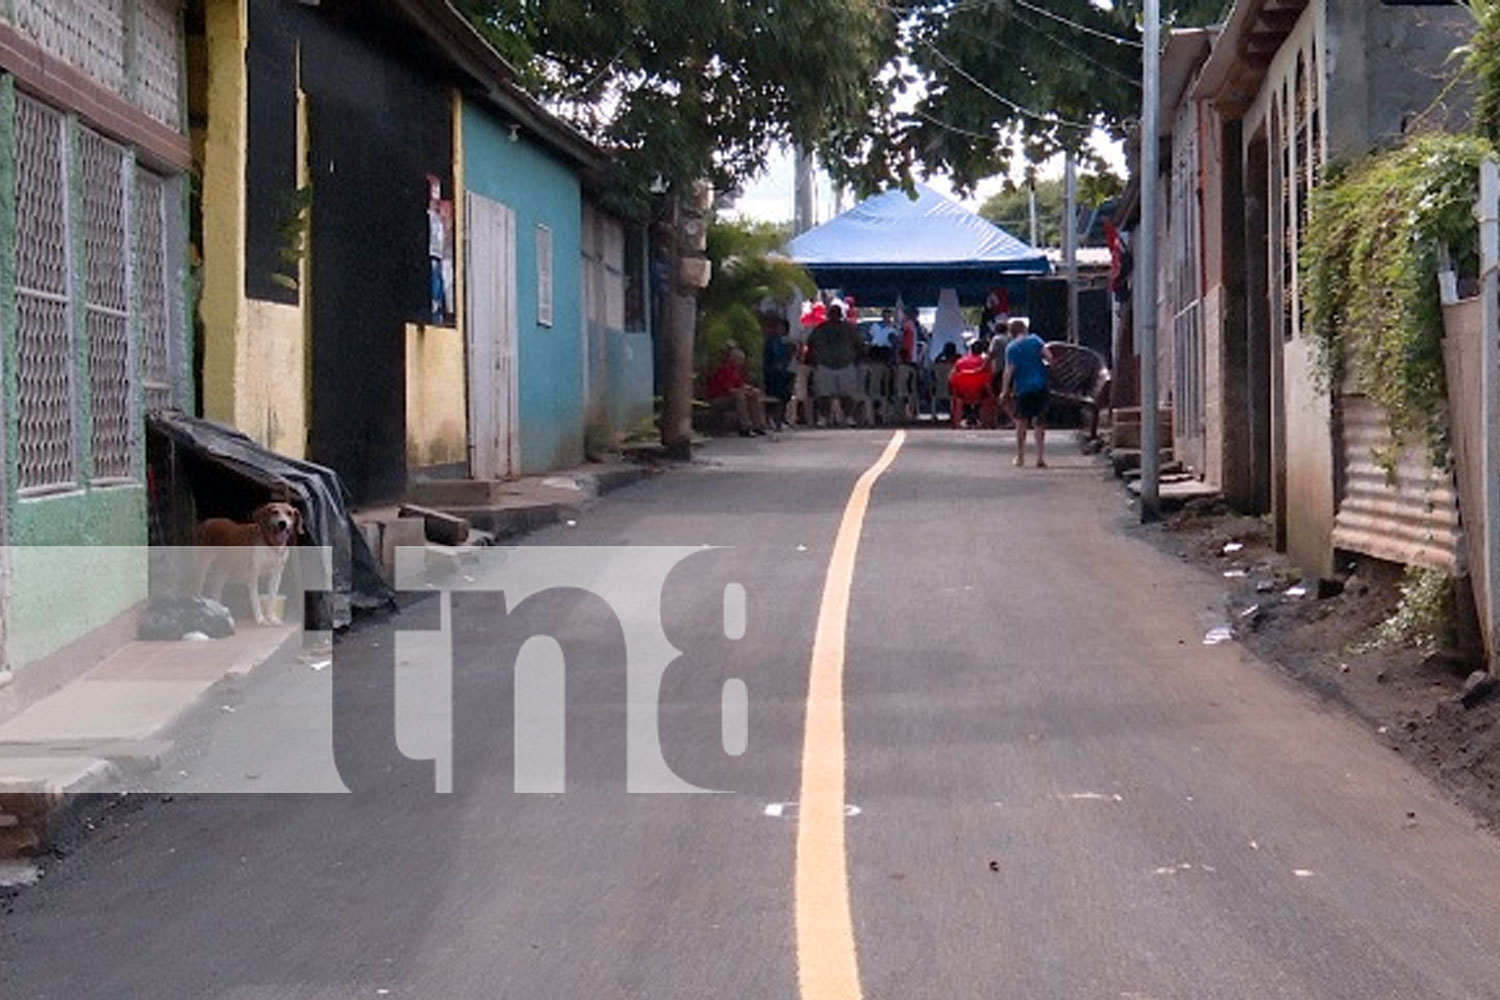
769 198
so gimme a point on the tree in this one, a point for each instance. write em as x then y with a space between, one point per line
747 271
686 90
1018 79
1010 207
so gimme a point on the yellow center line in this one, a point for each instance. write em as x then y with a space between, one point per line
827 966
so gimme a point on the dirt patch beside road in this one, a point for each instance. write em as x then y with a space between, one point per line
1321 635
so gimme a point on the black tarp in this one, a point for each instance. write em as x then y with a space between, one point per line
201 469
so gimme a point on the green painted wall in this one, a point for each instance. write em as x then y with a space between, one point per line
77 561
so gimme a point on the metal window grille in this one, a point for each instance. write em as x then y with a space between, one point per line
88 35
156 370
158 42
44 342
107 304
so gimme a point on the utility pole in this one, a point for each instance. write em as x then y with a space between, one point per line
1070 241
802 191
1031 205
1145 262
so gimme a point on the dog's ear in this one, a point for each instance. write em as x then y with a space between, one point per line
261 513
296 521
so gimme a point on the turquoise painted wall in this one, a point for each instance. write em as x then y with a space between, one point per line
631 371
541 190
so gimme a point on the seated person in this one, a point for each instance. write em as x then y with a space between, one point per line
777 373
971 387
728 388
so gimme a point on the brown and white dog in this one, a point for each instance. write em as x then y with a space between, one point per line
247 553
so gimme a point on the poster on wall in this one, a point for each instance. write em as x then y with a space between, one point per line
439 253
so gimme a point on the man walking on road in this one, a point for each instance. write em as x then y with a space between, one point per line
834 347
1026 361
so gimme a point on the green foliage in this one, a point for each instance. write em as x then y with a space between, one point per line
1025 78
1482 61
748 271
1423 618
1372 248
1010 208
291 237
715 332
684 89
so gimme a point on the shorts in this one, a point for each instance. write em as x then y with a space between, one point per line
1031 405
836 381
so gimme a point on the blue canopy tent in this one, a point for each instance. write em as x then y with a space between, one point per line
893 245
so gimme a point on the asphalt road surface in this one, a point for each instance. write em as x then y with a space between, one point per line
985 754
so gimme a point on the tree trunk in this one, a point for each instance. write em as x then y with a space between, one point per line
679 325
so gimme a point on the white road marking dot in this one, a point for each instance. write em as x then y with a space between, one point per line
1302 873
734 611
734 717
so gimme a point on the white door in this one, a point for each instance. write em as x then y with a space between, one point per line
490 278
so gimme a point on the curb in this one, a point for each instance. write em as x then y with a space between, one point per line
42 780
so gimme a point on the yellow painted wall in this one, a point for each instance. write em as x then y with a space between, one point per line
270 403
255 353
223 167
436 401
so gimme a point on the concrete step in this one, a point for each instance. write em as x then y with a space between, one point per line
1126 459
1126 432
1175 492
443 493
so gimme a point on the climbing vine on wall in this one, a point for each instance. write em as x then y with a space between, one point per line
1374 244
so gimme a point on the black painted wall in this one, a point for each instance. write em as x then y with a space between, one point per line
380 120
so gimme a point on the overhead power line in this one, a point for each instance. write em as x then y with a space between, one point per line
1106 36
1018 109
1060 19
1049 36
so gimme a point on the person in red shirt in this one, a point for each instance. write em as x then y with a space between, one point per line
727 386
970 386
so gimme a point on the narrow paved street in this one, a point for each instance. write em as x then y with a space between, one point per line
1052 788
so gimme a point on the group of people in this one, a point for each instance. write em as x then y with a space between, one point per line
997 373
1009 373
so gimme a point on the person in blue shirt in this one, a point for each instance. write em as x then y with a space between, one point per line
1025 388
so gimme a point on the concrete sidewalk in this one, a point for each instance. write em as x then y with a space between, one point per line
116 718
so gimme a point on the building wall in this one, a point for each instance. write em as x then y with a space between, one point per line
620 354
1350 77
326 118
92 293
255 349
542 191
98 536
1385 65
1291 103
436 396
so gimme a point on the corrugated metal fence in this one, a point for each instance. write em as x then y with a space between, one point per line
1410 516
